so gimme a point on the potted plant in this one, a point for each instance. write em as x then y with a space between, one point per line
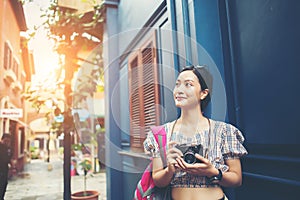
86 166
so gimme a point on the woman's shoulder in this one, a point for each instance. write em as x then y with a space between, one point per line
224 126
169 124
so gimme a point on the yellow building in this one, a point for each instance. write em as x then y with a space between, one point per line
16 68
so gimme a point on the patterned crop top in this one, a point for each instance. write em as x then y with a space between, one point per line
226 142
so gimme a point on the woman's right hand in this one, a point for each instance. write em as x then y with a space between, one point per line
172 154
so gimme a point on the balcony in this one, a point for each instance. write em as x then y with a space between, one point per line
17 86
9 76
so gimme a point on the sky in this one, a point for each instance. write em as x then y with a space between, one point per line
45 59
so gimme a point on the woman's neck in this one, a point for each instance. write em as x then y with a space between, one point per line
191 116
191 122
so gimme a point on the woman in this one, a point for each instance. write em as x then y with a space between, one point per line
220 144
5 157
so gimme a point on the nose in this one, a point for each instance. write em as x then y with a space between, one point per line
178 90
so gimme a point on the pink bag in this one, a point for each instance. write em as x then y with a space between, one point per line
146 188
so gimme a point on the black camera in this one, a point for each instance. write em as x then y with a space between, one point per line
189 152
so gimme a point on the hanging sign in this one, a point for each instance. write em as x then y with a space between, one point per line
11 113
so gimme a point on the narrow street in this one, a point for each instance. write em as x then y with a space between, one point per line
41 181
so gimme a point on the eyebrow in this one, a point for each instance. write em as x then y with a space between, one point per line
186 80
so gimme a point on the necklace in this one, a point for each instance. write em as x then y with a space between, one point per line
206 151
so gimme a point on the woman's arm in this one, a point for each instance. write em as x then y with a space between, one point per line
163 176
230 178
233 177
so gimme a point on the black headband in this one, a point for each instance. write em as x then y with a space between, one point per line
197 73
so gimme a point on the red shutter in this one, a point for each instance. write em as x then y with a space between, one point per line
150 87
135 107
144 93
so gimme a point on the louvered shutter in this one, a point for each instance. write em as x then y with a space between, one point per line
135 107
144 93
150 87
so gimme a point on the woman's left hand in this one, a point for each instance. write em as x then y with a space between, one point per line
204 168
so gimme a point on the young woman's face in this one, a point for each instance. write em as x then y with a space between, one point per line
187 92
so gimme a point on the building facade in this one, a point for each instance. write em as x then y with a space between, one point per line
251 49
16 67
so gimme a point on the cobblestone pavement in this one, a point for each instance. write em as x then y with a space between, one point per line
44 181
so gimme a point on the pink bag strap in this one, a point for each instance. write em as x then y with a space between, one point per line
160 136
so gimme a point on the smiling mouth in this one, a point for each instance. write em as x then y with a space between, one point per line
180 98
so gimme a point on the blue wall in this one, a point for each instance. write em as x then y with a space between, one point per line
132 16
262 40
252 50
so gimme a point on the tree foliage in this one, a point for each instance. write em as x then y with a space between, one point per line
74 32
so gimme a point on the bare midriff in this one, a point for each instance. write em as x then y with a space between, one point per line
211 193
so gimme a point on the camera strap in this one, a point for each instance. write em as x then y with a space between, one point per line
209 133
173 128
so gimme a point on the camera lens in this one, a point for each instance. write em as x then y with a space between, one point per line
189 158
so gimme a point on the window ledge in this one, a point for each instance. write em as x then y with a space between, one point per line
9 76
135 155
17 86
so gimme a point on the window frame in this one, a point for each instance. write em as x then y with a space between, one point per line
7 62
15 65
139 91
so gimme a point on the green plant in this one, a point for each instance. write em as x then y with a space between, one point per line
77 147
86 165
34 152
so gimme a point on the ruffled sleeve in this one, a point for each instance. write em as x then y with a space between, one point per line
232 143
150 144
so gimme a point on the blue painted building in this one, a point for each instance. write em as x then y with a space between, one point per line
252 49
